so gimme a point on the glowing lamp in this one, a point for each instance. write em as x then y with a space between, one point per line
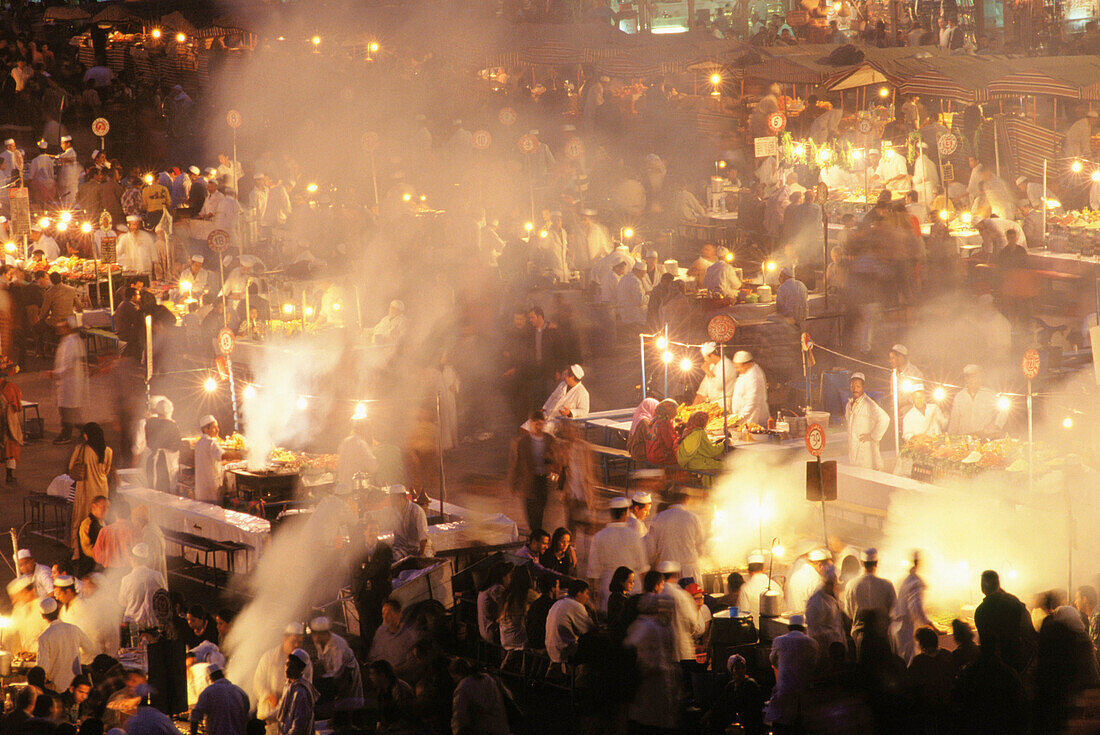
1075 167
778 551
884 92
181 38
303 402
1096 175
686 365
856 155
908 386
423 197
66 217
889 152
249 392
407 197
336 307
824 155
360 411
721 164
316 40
715 79
1003 403
288 308
373 47
943 214
967 218
729 257
309 311
281 38
1011 574
209 385
86 227
628 232
1052 203
311 188
666 357
543 234
939 394
662 343
44 222
799 149
1067 423
770 266
62 226
148 179
10 247
836 7
156 33
528 226
185 287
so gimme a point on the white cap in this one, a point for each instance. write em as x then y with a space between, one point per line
589 212
43 144
869 555
141 551
194 170
66 139
398 304
668 567
211 172
207 420
858 376
796 621
641 498
301 655
723 251
756 558
1021 179
397 490
133 218
651 254
707 348
9 141
819 555
24 554
578 371
198 258
742 356
19 584
320 624
618 503
971 369
47 605
900 349
64 581
294 629
639 265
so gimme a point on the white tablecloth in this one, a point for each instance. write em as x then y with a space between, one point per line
173 513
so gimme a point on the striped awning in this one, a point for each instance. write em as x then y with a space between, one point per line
1028 144
1027 82
933 83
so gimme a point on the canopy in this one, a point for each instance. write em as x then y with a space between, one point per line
1072 77
65 12
962 78
115 14
176 22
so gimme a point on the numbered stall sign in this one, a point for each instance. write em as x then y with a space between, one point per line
815 439
226 341
233 119
482 139
218 241
100 127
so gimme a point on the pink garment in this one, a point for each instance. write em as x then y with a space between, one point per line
643 411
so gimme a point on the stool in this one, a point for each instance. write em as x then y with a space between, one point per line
33 427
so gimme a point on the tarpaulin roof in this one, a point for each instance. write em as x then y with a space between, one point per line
962 78
1074 77
66 12
176 22
116 14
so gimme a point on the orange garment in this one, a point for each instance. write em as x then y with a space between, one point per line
112 547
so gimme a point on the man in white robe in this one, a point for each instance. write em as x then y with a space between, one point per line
892 172
750 391
677 535
136 247
615 545
923 418
925 176
867 424
569 400
975 411
630 297
719 376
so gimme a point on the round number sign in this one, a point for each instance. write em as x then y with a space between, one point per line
370 141
482 139
1031 364
233 119
528 144
507 117
218 240
100 126
721 328
864 126
574 149
815 439
776 122
226 341
947 144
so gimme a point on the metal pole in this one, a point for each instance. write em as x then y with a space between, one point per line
1044 202
897 422
442 481
247 309
374 178
221 272
666 364
725 401
824 258
1030 442
821 488
233 168
232 391
806 372
641 345
110 290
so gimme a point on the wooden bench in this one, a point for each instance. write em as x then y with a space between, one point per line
207 572
36 508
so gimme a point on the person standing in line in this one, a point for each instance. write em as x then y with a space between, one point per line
60 646
909 614
793 656
869 593
615 545
208 462
677 535
222 706
136 592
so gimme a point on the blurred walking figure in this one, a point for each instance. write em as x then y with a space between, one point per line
11 424
70 378
531 467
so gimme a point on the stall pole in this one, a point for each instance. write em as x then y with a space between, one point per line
821 485
725 398
110 291
148 354
996 149
247 309
303 311
897 422
439 439
374 178
233 171
1030 442
98 298
641 346
232 392
358 307
666 364
806 373
1044 202
221 272
824 258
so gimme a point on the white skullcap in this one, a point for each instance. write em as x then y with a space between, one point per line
64 581
722 251
1021 179
301 655
24 554
133 218
869 555
66 139
207 420
47 605
900 349
141 551
398 304
707 348
651 254
19 584
198 258
641 498
211 172
320 624
589 212
756 558
9 141
796 621
294 629
668 567
819 555
397 490
194 170
858 376
618 503
971 369
578 371
36 228
639 265
742 356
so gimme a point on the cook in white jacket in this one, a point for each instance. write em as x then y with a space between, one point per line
615 545
923 417
750 392
867 424
569 399
717 380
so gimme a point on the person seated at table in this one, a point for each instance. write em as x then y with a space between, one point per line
696 451
661 437
686 208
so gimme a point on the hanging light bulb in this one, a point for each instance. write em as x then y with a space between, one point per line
86 227
303 402
249 392
210 385
662 342
686 365
1067 423
1003 403
1075 167
156 33
360 411
66 217
939 394
666 357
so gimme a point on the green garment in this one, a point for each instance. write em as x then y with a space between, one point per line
698 452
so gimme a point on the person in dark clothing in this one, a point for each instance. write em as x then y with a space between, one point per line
74 700
1003 618
549 587
200 627
966 651
544 359
530 466
372 580
162 437
741 701
987 697
13 722
41 720
1065 665
513 351
622 584
130 324
930 683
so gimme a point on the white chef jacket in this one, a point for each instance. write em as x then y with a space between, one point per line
566 622
974 414
59 649
1094 195
823 620
270 680
916 423
208 470
210 204
43 580
721 278
750 396
48 246
888 168
598 243
352 457
836 177
27 624
615 545
801 586
135 594
677 535
864 416
609 287
79 613
710 387
630 300
575 399
389 328
70 371
277 208
908 615
1078 142
200 282
336 656
685 620
41 168
135 251
870 592
925 178
756 585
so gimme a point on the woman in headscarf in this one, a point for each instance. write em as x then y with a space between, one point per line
639 425
661 438
696 451
92 468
